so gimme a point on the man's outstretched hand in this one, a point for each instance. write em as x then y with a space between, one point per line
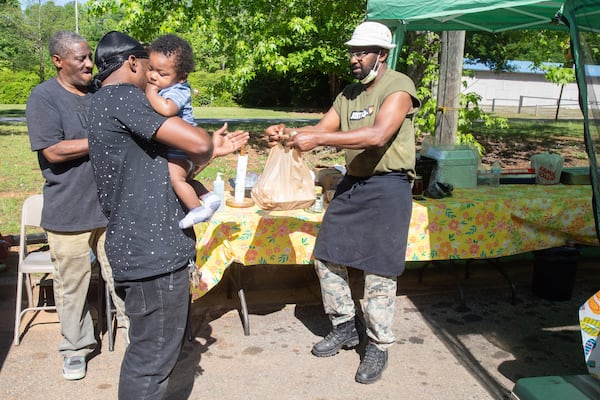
228 142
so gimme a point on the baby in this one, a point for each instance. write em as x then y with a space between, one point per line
171 60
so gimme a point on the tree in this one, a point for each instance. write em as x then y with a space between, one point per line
560 76
496 49
419 60
43 20
449 85
246 37
17 52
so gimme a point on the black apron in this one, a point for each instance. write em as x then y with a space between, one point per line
366 224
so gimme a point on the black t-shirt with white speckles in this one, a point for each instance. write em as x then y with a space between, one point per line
143 238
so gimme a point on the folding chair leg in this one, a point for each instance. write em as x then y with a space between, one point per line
100 303
19 301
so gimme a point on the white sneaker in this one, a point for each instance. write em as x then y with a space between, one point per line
74 368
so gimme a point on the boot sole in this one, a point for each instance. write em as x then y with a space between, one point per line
349 344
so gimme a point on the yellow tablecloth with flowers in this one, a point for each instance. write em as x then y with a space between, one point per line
484 222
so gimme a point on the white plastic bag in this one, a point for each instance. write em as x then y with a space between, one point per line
285 183
548 167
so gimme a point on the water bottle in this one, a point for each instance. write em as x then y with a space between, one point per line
495 174
219 190
317 206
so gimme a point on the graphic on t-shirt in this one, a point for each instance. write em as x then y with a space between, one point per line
361 114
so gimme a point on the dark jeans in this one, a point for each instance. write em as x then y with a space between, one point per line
157 309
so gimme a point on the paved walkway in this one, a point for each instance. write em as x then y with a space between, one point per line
443 351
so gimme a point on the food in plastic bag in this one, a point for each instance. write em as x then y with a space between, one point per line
286 182
548 167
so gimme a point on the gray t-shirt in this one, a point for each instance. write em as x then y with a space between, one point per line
70 196
143 238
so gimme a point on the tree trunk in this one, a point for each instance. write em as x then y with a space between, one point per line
450 82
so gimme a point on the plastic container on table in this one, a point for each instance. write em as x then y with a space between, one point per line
495 172
219 190
456 164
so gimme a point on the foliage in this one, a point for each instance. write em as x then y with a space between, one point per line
496 49
26 33
42 21
558 75
16 86
469 114
308 90
591 43
17 49
210 89
263 52
423 66
250 37
418 58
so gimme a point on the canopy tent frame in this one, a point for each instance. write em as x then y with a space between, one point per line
573 16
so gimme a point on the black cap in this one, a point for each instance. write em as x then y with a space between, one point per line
113 49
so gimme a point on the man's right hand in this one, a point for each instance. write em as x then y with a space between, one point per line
275 134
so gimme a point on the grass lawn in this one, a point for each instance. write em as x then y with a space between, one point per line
20 175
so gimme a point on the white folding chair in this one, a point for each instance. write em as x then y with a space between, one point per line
30 263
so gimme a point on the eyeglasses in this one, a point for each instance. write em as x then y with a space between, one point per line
359 55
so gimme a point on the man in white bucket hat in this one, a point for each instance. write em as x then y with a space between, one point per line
366 223
371 34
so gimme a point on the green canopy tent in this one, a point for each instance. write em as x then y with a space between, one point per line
579 17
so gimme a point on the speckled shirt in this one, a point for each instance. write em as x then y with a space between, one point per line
143 238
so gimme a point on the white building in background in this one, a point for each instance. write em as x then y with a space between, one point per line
524 88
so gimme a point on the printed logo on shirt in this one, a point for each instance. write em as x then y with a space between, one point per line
361 114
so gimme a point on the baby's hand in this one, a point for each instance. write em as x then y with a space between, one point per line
151 88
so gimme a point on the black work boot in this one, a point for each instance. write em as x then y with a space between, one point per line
344 335
372 365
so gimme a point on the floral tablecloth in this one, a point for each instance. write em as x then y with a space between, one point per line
485 222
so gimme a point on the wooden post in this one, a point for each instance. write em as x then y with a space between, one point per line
448 98
520 104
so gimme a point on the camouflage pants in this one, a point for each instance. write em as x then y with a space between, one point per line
378 303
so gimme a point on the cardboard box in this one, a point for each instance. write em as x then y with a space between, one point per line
456 164
575 176
327 177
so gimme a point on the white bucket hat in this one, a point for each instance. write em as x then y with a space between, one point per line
371 34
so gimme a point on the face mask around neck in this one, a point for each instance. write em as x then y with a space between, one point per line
372 73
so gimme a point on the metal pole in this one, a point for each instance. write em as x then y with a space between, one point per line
76 17
40 47
562 87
